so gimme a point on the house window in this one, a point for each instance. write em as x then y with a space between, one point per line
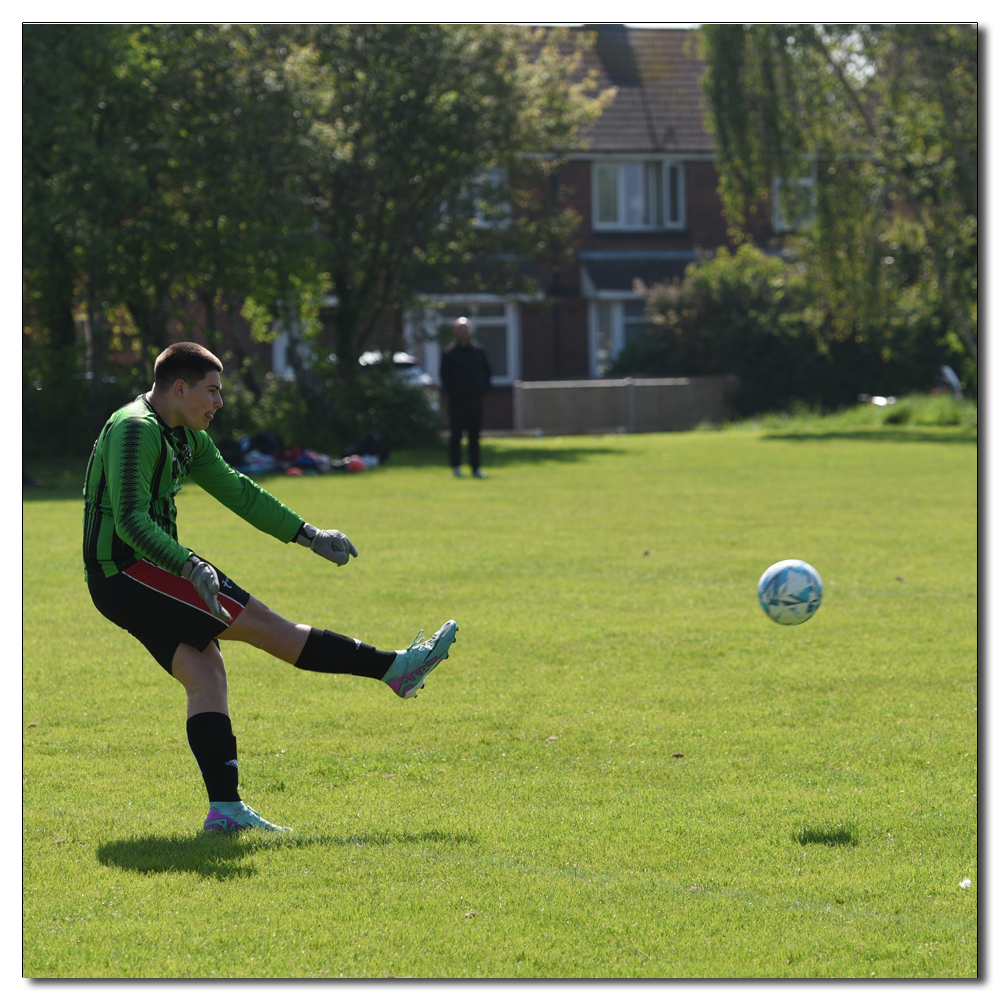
491 208
494 324
639 194
484 200
614 325
793 202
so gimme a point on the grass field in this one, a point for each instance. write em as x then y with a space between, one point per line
624 769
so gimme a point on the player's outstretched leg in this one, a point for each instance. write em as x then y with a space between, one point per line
413 664
323 651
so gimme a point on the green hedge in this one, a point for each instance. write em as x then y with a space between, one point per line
757 316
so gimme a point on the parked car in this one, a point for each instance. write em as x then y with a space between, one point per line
408 369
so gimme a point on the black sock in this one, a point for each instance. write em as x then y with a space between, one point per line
210 735
332 653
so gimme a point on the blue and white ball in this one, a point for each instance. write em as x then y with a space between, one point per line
790 591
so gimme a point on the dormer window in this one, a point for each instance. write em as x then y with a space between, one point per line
638 195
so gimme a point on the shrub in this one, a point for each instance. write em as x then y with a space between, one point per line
898 414
377 400
62 410
759 317
939 410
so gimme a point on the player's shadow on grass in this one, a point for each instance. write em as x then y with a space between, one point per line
901 435
221 857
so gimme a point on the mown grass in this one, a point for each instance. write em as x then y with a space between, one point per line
624 769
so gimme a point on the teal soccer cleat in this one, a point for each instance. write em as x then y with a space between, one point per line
231 817
413 664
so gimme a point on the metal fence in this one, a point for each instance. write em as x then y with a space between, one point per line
596 406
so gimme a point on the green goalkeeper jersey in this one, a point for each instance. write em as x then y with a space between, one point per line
137 467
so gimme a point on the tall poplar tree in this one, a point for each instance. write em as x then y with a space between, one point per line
880 124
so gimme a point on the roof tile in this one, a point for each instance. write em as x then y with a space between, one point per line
659 104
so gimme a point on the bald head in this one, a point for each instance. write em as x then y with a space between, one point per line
462 330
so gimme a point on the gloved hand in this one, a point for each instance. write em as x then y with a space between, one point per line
332 545
206 581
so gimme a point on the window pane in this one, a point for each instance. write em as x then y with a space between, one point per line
493 310
633 195
488 188
674 182
607 193
493 337
654 194
633 326
604 339
456 309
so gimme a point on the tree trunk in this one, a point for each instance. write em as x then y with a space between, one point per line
98 348
212 335
150 318
298 356
346 339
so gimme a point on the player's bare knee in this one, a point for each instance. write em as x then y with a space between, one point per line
200 670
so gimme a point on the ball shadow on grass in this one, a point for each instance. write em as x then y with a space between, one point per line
832 835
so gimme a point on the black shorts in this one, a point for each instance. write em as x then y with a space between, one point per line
162 610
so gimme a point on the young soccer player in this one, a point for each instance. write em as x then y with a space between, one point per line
179 605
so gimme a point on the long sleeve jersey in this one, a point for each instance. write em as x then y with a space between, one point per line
137 467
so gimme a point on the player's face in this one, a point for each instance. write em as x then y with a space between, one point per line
198 403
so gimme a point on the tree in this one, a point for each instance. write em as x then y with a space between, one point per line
264 168
155 172
78 182
885 119
411 140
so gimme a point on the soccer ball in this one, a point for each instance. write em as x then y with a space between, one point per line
790 592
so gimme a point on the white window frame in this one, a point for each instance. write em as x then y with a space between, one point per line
778 221
617 304
420 341
668 225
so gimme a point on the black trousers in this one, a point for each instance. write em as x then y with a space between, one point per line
465 416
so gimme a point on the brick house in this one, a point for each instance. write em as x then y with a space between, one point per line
646 192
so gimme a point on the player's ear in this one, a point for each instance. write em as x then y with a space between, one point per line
179 386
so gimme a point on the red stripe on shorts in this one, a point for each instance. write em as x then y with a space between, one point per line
164 582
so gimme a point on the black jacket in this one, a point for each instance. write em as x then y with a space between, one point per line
465 371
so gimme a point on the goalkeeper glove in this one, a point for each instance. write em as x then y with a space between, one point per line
206 581
332 545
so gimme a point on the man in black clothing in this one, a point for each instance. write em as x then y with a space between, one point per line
465 375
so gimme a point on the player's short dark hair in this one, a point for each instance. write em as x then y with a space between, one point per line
188 361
